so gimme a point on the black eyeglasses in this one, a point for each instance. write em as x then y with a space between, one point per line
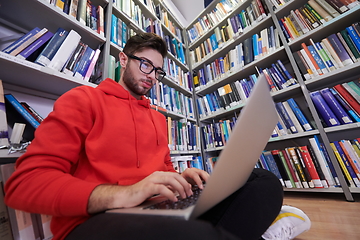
147 67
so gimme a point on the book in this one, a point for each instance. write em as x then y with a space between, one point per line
351 156
302 67
315 144
73 8
285 117
348 98
64 52
37 45
283 169
28 42
21 40
345 105
4 133
338 5
354 36
298 167
84 63
32 111
100 21
354 92
323 109
320 10
285 156
310 166
273 166
81 11
317 166
16 113
292 116
74 59
299 114
340 50
332 11
22 223
335 106
51 48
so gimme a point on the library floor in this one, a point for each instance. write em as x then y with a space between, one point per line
331 215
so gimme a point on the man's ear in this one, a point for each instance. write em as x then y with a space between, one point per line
123 59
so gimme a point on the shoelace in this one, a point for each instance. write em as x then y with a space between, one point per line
282 234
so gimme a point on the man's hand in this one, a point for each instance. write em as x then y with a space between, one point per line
167 184
195 176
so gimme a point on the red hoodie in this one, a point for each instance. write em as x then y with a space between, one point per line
93 136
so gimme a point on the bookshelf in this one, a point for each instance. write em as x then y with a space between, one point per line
30 78
299 91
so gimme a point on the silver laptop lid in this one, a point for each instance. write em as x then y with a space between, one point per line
247 140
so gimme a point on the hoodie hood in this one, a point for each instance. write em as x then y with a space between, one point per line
111 87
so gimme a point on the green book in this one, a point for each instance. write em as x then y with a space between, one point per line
350 43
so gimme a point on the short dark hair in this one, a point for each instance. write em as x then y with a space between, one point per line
145 40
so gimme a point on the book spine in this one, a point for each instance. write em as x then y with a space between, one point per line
21 40
16 104
335 106
28 42
340 50
321 159
35 45
299 114
324 110
348 98
297 164
311 167
92 65
285 117
51 48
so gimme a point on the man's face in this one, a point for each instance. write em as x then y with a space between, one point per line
134 80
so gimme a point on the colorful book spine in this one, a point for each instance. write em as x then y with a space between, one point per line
299 114
35 45
17 105
324 110
285 117
51 48
335 106
21 40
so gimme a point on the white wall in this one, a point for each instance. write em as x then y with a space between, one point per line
190 9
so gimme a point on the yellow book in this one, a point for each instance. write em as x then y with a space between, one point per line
342 165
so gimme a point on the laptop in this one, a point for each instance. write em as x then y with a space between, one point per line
236 161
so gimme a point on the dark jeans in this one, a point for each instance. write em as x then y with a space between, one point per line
246 214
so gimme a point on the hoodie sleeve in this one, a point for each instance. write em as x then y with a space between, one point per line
42 182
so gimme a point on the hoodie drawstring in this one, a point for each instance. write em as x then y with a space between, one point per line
136 140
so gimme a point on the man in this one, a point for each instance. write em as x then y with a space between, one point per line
104 148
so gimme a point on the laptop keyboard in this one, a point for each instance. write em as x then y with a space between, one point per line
180 204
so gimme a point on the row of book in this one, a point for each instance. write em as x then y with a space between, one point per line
84 11
172 100
309 166
16 224
183 135
338 105
336 51
279 3
247 17
62 51
215 135
176 48
175 73
181 163
134 12
260 45
237 92
312 15
119 32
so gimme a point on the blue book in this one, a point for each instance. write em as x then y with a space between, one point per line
21 40
181 52
324 110
318 59
114 27
335 106
299 115
280 76
263 162
286 72
272 165
124 34
15 104
285 117
40 42
84 62
208 99
255 41
354 36
51 48
176 46
213 41
345 105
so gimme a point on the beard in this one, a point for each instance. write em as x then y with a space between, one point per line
134 85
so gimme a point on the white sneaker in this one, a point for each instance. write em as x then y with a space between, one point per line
290 223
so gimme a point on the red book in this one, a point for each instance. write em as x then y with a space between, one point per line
310 166
348 98
291 169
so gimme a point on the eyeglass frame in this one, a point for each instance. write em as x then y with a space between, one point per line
147 61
